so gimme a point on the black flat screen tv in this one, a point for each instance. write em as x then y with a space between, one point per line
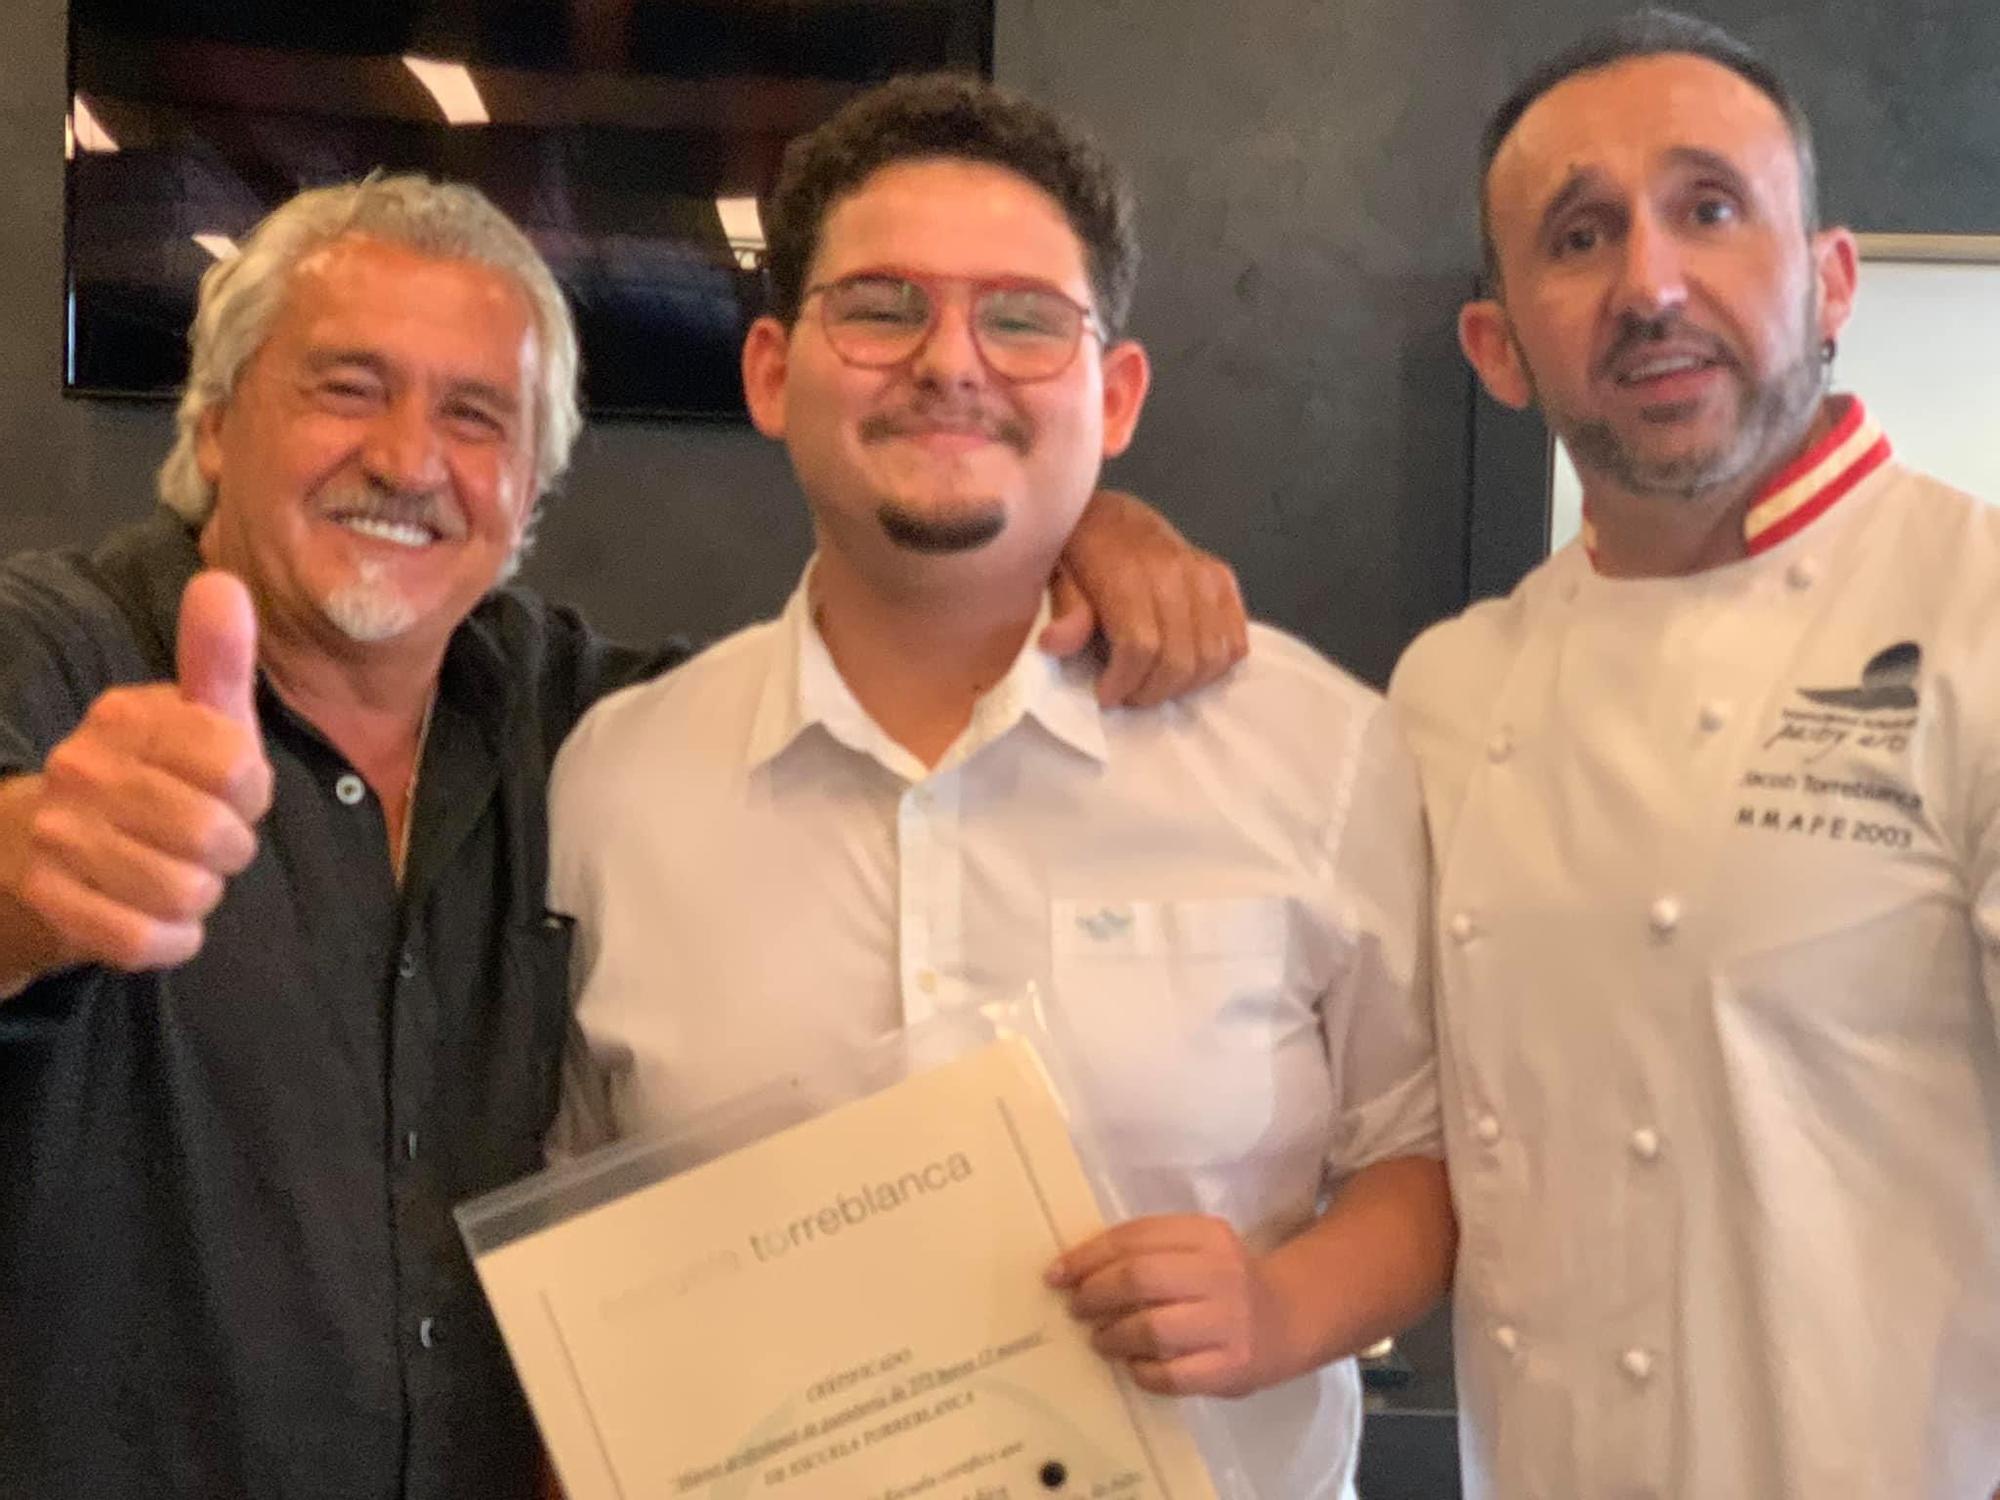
631 139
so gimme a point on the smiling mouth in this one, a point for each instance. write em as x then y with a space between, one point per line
397 533
1662 367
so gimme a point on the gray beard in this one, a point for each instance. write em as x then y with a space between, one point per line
369 610
1775 413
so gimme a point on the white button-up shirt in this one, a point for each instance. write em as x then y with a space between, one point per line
1225 899
1717 1031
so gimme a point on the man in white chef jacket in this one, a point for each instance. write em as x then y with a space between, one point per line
886 804
1715 800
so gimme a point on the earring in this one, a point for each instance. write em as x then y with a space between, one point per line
1827 349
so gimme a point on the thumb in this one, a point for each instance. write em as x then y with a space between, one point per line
217 654
1071 621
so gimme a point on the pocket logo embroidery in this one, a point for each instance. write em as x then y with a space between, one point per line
1105 922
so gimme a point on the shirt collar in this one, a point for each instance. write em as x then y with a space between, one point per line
804 688
1807 487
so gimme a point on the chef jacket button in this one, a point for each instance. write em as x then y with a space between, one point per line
1645 1142
1463 928
1802 574
1665 915
1638 1364
1500 746
1487 1128
1508 1340
350 789
1714 714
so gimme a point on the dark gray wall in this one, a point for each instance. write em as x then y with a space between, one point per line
1300 174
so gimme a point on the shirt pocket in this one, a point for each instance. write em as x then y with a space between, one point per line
1176 1012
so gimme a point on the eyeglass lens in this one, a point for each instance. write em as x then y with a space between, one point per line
1022 332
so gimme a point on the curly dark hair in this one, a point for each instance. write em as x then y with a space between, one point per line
950 115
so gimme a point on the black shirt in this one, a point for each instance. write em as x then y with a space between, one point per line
227 1260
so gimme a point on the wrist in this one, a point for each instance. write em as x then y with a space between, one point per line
1294 1316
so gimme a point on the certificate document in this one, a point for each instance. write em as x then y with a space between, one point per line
852 1309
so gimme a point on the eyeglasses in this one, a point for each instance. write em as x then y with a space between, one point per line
1023 329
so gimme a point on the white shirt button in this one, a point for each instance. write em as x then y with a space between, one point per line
350 789
1665 915
1508 1340
1645 1142
1638 1364
1487 1128
927 981
1463 928
1714 714
1500 746
1802 574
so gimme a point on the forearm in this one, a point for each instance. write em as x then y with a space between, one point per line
28 946
1372 1264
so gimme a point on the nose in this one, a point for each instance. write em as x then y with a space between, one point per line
1652 277
949 355
402 450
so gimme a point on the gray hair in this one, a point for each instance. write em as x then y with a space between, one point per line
241 295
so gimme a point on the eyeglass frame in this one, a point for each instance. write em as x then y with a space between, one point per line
928 283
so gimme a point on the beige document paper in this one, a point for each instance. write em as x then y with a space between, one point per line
851 1309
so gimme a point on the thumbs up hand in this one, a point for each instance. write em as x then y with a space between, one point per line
142 815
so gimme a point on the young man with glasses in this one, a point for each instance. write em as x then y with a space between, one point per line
886 804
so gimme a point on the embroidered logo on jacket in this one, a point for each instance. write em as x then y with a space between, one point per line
1888 681
1838 768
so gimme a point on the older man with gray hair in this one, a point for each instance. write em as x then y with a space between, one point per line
280 986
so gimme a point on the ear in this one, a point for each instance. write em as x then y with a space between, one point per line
1837 263
1488 341
766 360
208 442
1127 376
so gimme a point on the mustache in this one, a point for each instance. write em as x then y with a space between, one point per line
1635 333
371 500
1014 432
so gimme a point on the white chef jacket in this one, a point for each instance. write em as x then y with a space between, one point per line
1719 906
1226 898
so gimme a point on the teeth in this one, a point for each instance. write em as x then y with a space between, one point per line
1655 368
389 531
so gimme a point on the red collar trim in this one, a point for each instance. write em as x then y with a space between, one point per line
1806 488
